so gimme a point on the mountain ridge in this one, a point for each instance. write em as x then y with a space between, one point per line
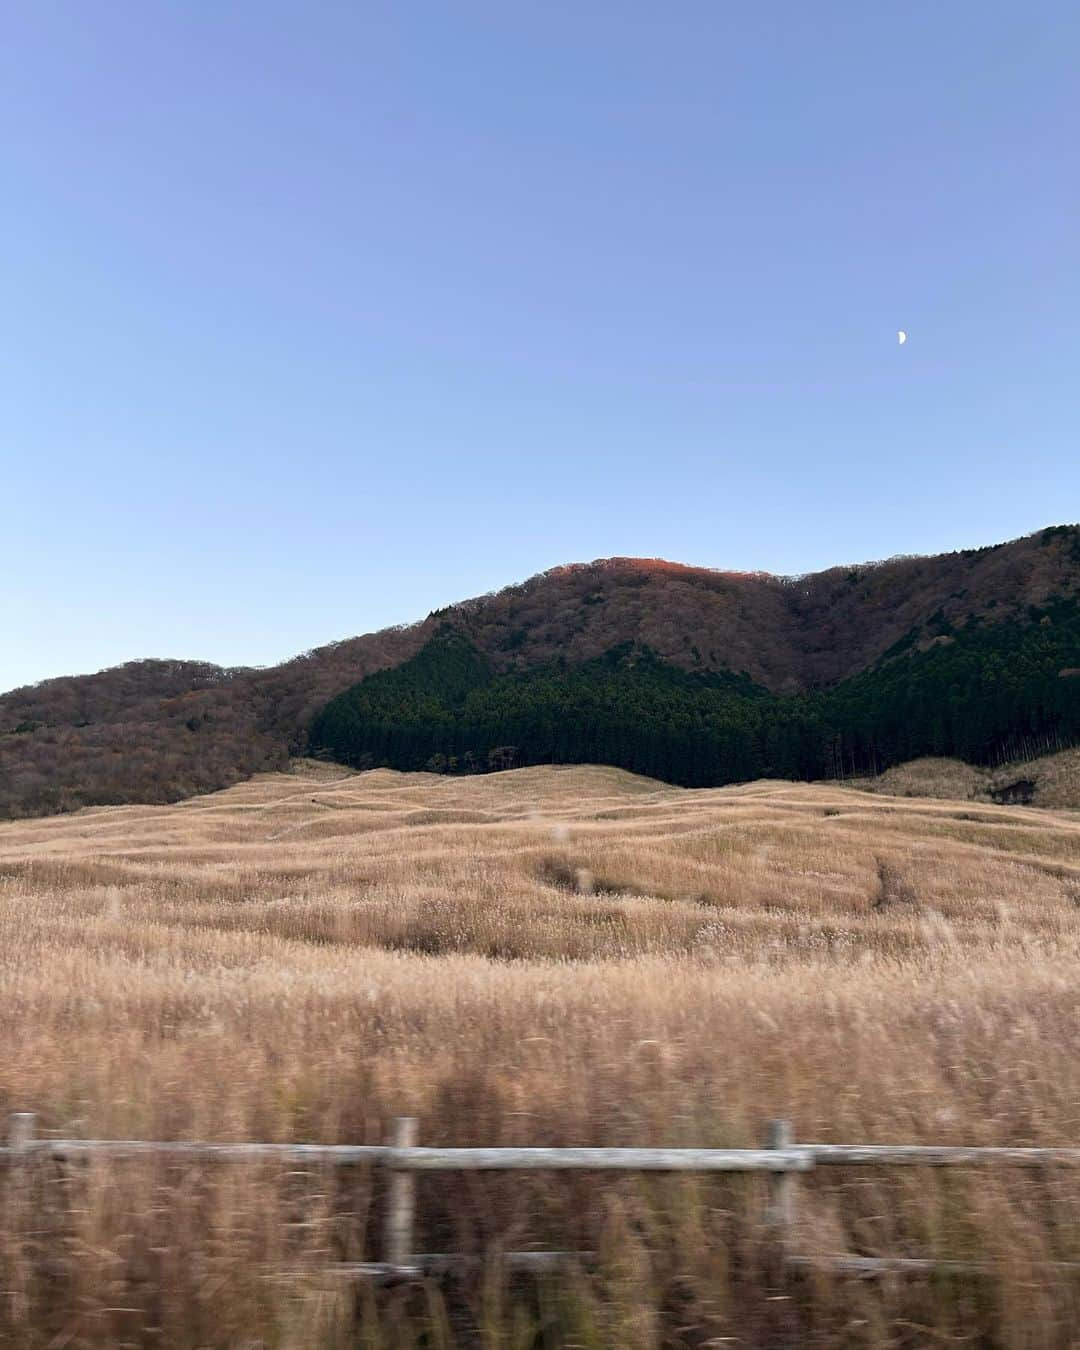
160 730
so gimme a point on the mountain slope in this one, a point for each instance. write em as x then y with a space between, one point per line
157 730
984 692
786 633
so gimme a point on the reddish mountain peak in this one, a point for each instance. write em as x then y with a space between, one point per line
655 567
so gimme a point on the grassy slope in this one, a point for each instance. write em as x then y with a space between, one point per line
551 955
1054 780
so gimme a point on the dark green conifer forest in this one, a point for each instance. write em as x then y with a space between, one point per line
983 693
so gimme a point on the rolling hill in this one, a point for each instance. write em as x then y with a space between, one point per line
788 675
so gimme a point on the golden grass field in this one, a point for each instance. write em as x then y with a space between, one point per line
546 956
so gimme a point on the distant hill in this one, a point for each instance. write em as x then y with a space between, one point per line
980 628
1052 781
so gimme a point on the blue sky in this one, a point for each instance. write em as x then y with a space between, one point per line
317 316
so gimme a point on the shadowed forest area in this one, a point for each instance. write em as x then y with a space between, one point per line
982 693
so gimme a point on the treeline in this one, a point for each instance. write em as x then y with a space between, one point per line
979 693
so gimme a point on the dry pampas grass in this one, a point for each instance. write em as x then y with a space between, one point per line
547 956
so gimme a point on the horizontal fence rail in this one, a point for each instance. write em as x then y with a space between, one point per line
597 1159
937 1155
781 1160
335 1155
799 1158
438 1159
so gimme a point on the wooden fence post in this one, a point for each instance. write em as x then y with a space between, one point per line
780 1214
20 1140
21 1131
20 1137
401 1201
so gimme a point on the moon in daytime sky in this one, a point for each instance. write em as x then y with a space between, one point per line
901 336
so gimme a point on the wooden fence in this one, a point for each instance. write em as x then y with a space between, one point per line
781 1159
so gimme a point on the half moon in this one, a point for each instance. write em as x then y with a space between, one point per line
901 337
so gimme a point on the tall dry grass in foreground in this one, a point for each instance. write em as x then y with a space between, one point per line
550 956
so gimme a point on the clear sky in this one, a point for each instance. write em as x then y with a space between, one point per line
316 316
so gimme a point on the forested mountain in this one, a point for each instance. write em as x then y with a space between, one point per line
682 672
986 693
